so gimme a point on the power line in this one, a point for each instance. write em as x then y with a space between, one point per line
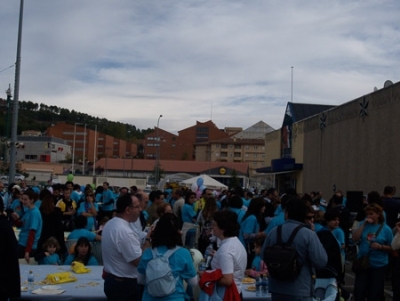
7 68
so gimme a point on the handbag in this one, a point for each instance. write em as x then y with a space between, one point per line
361 264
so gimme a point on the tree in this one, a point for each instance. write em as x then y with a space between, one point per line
234 180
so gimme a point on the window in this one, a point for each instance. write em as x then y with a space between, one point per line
151 138
224 154
247 147
216 154
230 146
255 155
246 155
217 146
230 155
173 145
237 155
150 144
255 146
224 145
238 146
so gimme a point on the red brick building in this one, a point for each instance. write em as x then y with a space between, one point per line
181 146
93 144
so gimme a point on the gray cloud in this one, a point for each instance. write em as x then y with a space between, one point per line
231 61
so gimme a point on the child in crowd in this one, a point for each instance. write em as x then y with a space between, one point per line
258 265
82 253
49 255
102 223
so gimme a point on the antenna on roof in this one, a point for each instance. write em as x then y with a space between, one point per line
387 83
211 111
375 89
291 96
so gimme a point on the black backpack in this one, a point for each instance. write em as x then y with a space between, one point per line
281 258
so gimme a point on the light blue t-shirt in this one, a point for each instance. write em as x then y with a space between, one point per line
248 226
91 220
71 257
188 213
275 221
75 234
52 259
182 268
17 207
32 220
107 197
377 258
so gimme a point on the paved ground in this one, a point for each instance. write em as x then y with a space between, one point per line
349 281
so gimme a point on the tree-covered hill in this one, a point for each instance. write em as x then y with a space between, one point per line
32 116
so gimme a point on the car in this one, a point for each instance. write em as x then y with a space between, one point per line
17 177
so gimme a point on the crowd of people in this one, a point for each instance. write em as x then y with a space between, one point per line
236 225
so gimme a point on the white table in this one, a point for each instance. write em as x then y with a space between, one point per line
74 291
251 295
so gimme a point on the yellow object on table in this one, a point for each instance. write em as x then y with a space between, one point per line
62 277
79 268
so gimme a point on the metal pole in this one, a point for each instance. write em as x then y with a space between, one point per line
158 154
291 98
95 149
11 173
84 151
73 152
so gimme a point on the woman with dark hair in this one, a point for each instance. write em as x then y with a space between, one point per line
375 242
89 209
52 224
250 226
164 237
231 256
31 226
204 220
82 253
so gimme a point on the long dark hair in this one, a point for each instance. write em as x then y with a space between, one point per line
83 241
255 207
166 232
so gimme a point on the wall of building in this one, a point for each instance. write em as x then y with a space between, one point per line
272 146
358 149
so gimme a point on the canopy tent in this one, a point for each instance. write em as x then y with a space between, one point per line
203 180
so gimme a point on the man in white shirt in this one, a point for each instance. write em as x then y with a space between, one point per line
122 251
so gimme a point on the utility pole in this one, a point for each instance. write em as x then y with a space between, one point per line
13 148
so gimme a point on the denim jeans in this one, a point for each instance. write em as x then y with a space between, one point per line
371 281
121 289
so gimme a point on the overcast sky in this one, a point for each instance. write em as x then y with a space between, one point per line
225 60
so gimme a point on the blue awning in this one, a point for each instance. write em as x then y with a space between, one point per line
281 165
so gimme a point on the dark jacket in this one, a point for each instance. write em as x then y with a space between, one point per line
52 226
10 282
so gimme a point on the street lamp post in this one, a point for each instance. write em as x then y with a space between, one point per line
95 149
84 150
157 171
73 151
